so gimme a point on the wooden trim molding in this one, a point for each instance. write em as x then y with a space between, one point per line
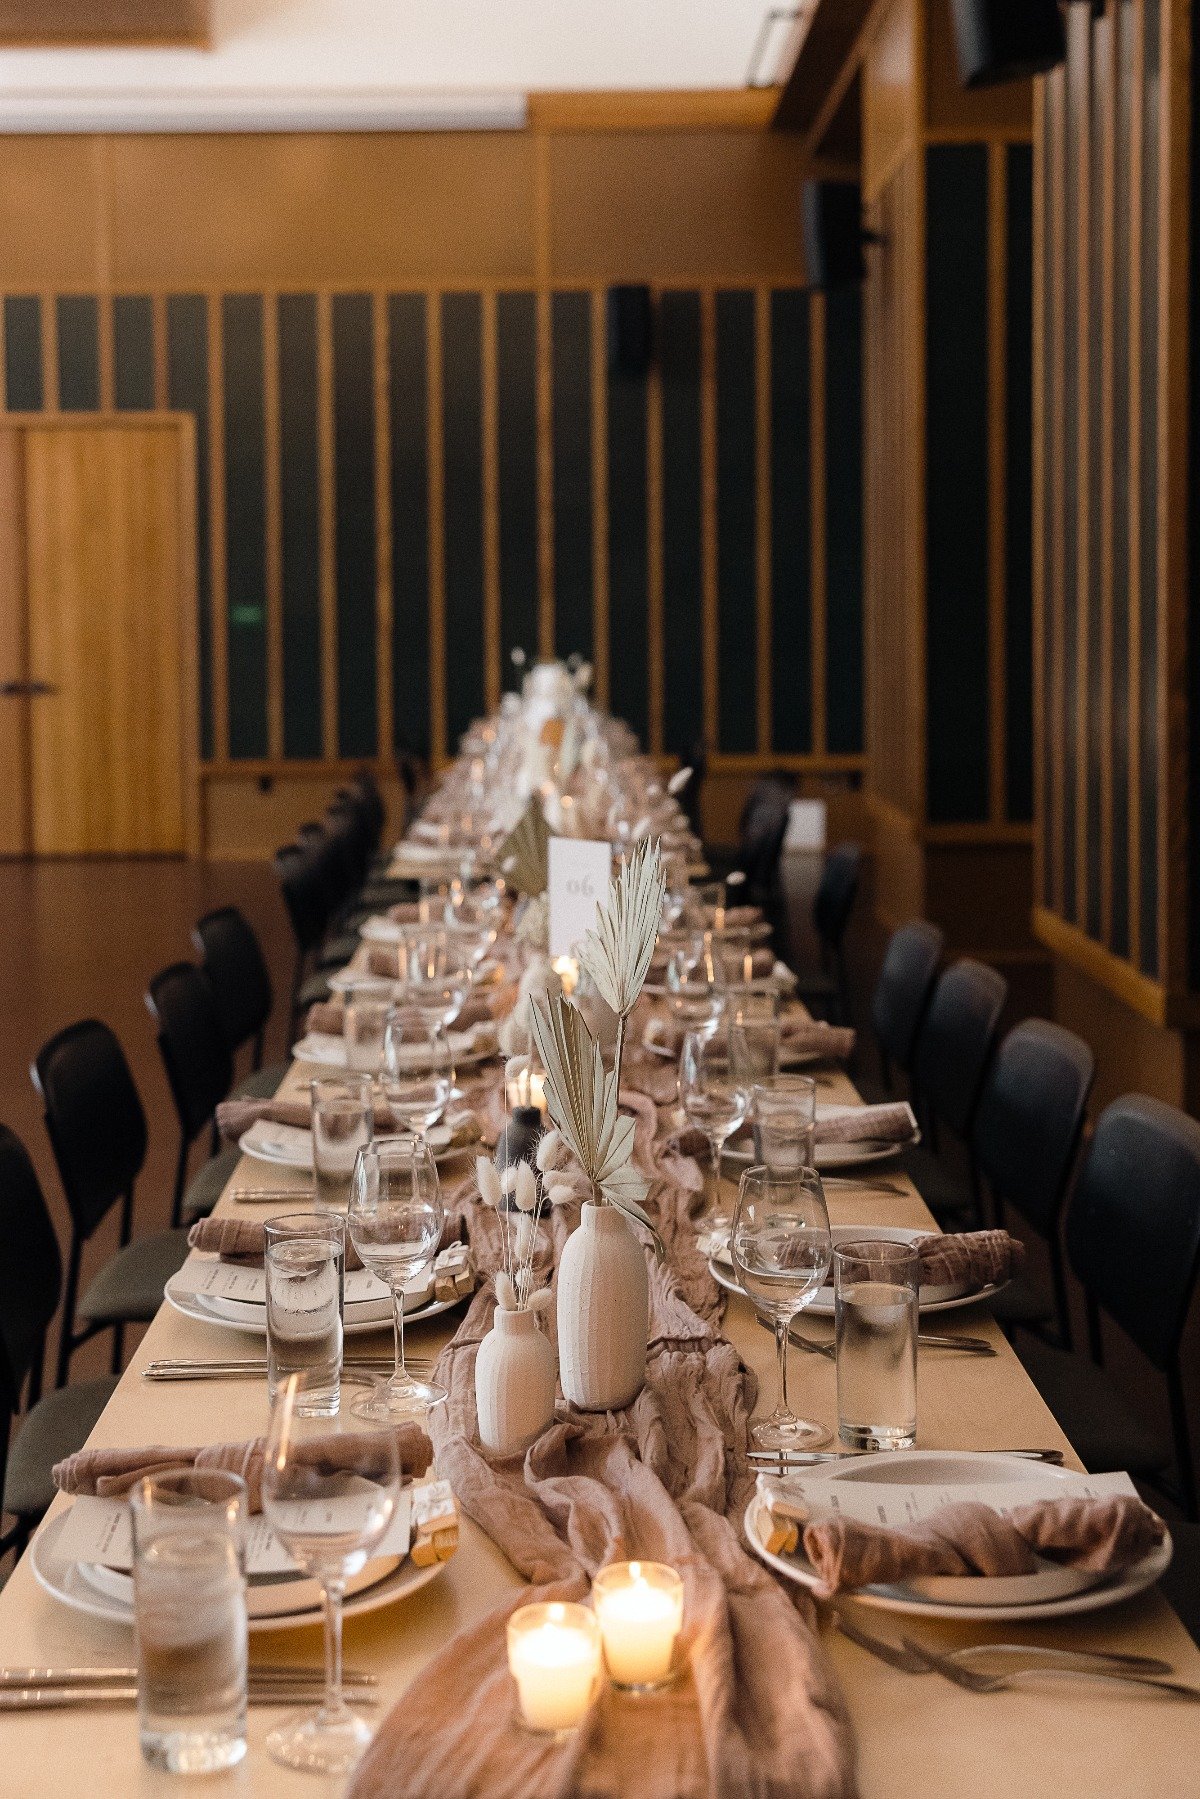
1146 997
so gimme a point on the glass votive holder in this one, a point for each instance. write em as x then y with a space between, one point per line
554 1658
639 1607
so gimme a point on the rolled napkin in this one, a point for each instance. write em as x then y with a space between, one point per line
110 1473
328 1017
458 1130
405 912
235 1116
969 1259
798 1034
891 1123
244 1240
737 918
1102 1536
382 962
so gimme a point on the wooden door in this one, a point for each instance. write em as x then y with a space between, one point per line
109 689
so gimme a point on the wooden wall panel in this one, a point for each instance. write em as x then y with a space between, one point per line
1112 282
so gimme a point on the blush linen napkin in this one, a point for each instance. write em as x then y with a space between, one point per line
756 1711
244 1240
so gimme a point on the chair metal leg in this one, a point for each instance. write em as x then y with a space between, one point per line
117 1361
66 1336
126 1218
1184 1464
260 1044
214 1136
34 1389
1062 1308
180 1182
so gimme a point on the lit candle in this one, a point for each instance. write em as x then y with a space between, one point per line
554 1657
528 1088
747 968
639 1606
567 970
719 909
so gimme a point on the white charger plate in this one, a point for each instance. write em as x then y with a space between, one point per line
324 1051
287 1151
829 1155
788 1058
84 1589
1053 1592
933 1299
236 1315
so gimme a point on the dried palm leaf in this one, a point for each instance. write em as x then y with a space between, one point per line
525 852
616 951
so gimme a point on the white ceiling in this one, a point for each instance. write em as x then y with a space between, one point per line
276 47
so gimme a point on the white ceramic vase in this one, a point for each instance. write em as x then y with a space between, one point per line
514 1383
603 1312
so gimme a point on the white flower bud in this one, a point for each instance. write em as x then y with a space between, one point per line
506 1293
488 1178
508 1180
526 1187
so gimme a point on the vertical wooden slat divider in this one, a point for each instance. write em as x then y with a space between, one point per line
1107 177
1135 505
328 525
654 529
158 306
1040 488
491 504
435 463
384 589
818 498
601 647
219 613
49 352
708 515
1057 709
105 352
762 503
274 525
997 202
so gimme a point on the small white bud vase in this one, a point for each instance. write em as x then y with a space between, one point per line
514 1383
603 1312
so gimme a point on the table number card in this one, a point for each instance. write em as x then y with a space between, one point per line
580 872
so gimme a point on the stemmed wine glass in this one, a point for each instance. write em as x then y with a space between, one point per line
781 1249
713 1096
418 1072
330 1489
395 1220
693 990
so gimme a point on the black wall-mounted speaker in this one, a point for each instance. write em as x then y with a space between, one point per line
1006 40
630 330
831 215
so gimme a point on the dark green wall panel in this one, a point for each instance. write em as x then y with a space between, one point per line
1147 549
679 351
957 468
843 522
300 511
78 321
354 503
408 406
516 431
462 402
187 391
737 535
23 353
133 352
1126 34
571 375
791 523
245 522
628 556
1018 522
1066 729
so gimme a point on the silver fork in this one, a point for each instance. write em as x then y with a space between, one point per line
1062 1665
912 1657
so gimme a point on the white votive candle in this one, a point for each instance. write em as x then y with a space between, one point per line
554 1657
639 1606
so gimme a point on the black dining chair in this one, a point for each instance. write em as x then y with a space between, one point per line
761 831
1133 1243
1026 1141
902 992
199 1069
833 905
306 903
954 1049
97 1130
232 958
58 1424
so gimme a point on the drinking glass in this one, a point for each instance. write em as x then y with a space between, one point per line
395 1222
752 1025
784 1114
367 1007
330 1489
343 1119
432 893
712 1097
781 1250
304 1264
876 1291
418 1071
189 1618
693 991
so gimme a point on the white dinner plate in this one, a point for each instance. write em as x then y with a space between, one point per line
288 1146
1053 1592
933 1299
85 1589
788 1058
236 1315
325 1051
829 1155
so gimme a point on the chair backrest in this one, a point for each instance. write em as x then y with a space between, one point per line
234 963
956 1040
1133 1226
1030 1119
303 892
94 1118
30 1267
691 797
192 1042
836 893
761 832
902 991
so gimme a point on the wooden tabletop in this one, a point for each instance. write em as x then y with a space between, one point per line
917 1736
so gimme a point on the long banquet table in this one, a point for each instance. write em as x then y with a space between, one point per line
916 1735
